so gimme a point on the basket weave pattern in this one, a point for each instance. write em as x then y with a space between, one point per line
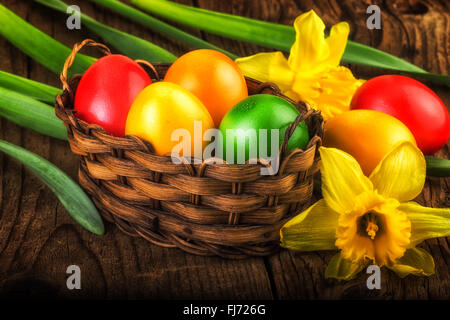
208 209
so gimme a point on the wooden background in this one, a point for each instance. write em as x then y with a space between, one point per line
38 240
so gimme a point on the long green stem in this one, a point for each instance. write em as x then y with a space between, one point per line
130 45
273 35
73 198
437 167
30 88
38 45
160 26
236 27
30 113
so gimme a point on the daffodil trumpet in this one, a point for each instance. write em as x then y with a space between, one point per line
370 220
312 72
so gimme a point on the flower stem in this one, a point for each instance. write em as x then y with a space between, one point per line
160 26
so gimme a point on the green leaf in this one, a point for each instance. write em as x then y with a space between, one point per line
72 197
30 88
240 28
133 47
437 167
432 77
38 45
415 261
358 53
274 35
343 269
30 113
160 26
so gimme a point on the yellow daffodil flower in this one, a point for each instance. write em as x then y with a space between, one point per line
312 72
370 219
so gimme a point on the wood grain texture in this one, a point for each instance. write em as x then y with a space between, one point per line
38 240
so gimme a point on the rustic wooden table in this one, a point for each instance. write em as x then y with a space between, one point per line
38 240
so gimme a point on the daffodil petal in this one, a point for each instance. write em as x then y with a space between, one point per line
310 48
401 174
337 42
415 261
311 51
268 67
426 223
342 179
311 230
343 269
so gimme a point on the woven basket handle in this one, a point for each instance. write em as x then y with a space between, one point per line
71 58
290 130
274 89
105 50
150 66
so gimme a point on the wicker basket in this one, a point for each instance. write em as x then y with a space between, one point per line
206 209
